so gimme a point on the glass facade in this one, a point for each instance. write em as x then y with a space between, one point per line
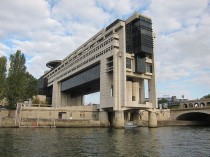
82 78
139 41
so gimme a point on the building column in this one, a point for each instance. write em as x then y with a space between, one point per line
129 92
142 90
103 118
56 94
152 83
152 92
118 121
152 119
129 116
64 99
135 91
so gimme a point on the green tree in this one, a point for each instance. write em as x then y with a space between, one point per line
16 79
3 70
206 96
20 84
162 101
30 86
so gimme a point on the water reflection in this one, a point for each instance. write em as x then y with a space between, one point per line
167 141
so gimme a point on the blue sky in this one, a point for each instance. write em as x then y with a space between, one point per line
45 30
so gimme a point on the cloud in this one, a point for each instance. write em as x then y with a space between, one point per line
50 29
80 12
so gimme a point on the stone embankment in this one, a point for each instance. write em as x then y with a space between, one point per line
77 116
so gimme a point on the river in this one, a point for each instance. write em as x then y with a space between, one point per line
105 142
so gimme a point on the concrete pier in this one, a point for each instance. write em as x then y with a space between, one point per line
118 121
152 119
103 117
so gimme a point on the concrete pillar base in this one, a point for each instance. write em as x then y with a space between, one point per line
103 117
118 121
152 120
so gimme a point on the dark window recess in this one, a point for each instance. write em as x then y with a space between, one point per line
148 68
140 64
61 115
128 63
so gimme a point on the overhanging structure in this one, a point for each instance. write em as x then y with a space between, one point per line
116 61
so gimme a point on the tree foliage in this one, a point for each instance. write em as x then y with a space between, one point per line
3 70
20 84
30 86
206 96
162 101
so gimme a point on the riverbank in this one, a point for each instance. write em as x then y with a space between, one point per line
50 118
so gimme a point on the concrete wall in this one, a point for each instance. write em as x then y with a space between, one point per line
70 112
75 116
7 118
163 116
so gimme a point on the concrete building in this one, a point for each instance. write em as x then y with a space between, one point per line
116 61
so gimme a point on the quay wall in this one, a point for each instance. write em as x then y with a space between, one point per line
76 116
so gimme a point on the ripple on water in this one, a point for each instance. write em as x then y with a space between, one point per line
163 141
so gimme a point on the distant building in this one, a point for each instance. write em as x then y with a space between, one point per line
172 101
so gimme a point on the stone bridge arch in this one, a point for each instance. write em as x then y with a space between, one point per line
194 116
191 116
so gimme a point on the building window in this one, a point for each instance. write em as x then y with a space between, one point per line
111 90
148 68
128 63
61 115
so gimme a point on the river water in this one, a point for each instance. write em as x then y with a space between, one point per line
105 142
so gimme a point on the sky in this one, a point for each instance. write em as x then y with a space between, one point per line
46 30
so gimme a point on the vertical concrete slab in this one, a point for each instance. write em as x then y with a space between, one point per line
118 121
103 118
56 95
135 91
152 119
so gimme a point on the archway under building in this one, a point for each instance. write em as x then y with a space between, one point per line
92 98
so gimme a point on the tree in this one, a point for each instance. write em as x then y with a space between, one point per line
16 79
20 84
3 70
206 96
162 101
30 86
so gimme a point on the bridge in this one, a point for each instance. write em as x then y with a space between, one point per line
199 115
194 103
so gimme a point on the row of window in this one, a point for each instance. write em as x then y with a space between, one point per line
143 23
63 115
84 56
148 66
84 62
80 52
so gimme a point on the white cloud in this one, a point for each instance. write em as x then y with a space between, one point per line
80 11
48 30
